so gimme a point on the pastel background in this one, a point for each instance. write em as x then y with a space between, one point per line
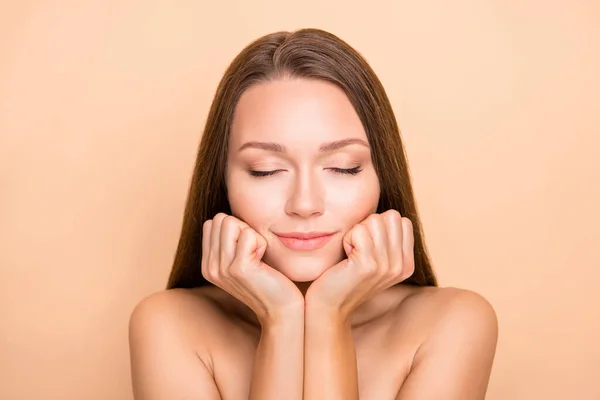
102 104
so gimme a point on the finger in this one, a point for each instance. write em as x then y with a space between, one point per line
347 240
215 237
231 228
408 247
377 229
249 248
206 234
362 248
393 222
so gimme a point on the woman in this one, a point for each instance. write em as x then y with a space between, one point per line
301 271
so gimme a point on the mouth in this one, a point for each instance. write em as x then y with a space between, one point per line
305 241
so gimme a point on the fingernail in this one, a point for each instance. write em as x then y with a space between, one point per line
347 248
261 251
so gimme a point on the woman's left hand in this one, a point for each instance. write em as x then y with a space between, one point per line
380 255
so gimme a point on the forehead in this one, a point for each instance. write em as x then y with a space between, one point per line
295 112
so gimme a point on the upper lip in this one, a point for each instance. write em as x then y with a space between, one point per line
304 235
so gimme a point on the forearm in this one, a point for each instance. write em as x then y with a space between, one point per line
279 361
330 370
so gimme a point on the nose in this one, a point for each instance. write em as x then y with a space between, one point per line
306 198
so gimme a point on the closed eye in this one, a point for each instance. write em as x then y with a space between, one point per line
260 174
347 171
342 171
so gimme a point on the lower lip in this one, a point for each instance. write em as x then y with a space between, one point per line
305 244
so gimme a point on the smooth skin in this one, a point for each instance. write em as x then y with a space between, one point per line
324 324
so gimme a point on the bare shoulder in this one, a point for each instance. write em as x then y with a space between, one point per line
440 314
170 336
185 312
437 305
457 337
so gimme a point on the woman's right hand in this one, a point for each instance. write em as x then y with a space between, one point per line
231 259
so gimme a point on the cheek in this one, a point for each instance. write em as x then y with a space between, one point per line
353 203
254 204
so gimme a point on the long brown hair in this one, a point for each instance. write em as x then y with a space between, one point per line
308 54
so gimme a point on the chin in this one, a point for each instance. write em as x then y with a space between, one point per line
303 267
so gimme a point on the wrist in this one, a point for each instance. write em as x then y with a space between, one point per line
289 318
320 314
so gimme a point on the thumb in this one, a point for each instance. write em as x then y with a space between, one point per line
347 243
347 248
260 252
250 244
261 245
358 243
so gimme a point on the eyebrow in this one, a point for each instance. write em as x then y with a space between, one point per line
324 148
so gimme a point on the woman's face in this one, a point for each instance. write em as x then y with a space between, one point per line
299 165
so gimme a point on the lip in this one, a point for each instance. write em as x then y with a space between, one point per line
305 240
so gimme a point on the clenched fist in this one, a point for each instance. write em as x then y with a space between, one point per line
231 259
380 255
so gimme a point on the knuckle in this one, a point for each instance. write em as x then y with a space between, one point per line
245 234
237 270
376 222
209 274
393 213
220 217
397 269
407 271
371 224
235 273
393 216
373 218
228 221
232 222
361 228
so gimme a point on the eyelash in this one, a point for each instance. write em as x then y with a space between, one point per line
341 171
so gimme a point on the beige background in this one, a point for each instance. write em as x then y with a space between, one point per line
101 108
